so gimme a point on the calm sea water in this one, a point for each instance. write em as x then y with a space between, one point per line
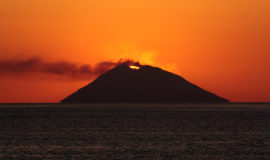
135 131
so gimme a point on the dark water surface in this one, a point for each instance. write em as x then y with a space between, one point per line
135 131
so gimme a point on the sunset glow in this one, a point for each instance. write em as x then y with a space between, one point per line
134 67
222 46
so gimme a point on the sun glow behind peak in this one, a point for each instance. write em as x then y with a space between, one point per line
134 67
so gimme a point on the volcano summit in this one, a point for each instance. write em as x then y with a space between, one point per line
141 83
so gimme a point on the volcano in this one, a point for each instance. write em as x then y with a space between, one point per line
141 83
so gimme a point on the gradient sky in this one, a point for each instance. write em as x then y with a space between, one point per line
222 46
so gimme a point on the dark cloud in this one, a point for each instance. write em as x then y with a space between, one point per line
61 68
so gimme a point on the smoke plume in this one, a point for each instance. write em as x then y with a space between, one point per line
61 68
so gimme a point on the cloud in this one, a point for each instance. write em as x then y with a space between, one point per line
61 68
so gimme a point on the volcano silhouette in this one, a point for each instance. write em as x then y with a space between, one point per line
141 83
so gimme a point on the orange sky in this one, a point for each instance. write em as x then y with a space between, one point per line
222 46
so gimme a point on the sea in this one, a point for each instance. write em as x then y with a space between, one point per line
125 131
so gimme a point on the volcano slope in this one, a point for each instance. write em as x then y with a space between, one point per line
141 84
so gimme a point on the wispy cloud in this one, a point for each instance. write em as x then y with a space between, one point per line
61 68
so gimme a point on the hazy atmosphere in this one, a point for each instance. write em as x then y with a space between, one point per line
222 46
